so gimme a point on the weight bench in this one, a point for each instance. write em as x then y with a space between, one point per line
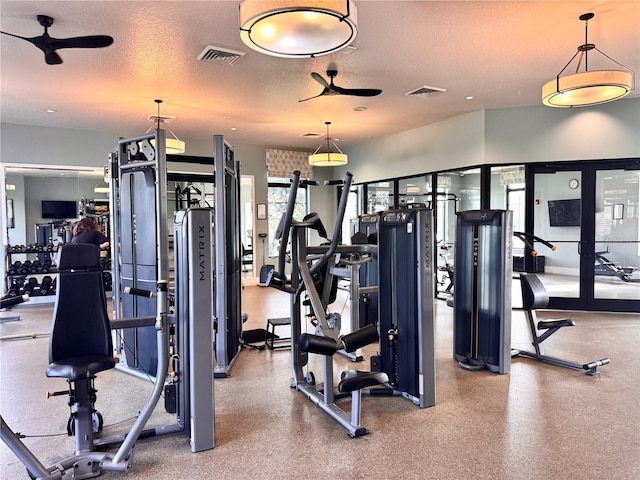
535 296
274 341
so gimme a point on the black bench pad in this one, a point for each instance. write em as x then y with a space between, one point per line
565 322
355 380
80 368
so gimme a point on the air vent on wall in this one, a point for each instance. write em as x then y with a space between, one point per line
220 55
425 91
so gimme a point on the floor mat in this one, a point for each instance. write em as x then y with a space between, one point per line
257 335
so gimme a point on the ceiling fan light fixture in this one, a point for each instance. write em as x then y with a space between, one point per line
587 88
328 158
298 28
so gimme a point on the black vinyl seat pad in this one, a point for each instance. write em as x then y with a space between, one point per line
80 368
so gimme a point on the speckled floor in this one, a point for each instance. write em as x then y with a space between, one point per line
538 422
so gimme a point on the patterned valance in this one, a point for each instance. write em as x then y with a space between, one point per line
282 163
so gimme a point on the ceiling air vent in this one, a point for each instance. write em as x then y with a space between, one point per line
220 55
312 135
425 91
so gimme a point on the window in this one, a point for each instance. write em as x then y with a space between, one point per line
277 195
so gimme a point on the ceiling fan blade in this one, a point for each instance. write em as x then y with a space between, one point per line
17 36
324 92
318 78
90 41
52 58
357 92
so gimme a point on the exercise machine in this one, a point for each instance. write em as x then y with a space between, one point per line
228 257
482 307
606 267
405 298
310 274
191 381
365 231
190 331
139 179
535 296
448 274
78 357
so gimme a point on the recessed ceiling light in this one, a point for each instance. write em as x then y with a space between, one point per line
51 110
233 129
469 97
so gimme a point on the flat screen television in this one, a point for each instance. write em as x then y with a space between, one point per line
564 213
59 209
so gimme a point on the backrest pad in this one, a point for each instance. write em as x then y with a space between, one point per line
80 325
534 295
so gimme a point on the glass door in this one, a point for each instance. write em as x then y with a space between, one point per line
589 211
557 207
616 273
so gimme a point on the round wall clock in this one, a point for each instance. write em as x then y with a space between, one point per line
574 183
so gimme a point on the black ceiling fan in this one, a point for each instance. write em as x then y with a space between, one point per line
49 45
331 89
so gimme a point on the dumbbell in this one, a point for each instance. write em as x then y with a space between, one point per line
36 266
108 281
23 269
14 267
46 266
31 285
46 286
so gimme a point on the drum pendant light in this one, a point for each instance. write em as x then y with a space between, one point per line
297 28
328 158
589 87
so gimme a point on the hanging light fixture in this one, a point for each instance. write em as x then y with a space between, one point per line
589 87
328 158
297 28
172 145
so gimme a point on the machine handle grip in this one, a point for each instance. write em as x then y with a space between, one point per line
11 301
139 292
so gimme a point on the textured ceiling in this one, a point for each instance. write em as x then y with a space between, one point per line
499 52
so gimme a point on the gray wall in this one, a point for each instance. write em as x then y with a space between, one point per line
514 135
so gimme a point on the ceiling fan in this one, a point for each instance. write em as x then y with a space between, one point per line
332 89
49 45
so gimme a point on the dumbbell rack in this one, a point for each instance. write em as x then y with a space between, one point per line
37 278
34 277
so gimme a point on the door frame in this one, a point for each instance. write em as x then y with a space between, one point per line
586 300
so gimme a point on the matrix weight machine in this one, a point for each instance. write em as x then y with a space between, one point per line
139 180
310 274
141 254
405 299
185 351
482 307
